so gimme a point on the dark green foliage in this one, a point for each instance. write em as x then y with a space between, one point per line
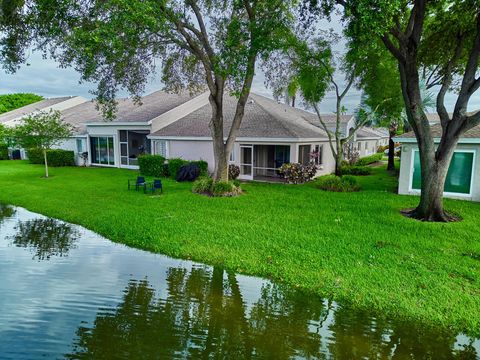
296 173
55 157
367 160
207 186
3 152
152 165
355 170
11 102
233 171
174 165
345 183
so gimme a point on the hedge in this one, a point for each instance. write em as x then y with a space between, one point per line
55 157
355 170
369 159
152 165
176 163
3 152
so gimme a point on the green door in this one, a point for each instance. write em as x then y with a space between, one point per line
459 176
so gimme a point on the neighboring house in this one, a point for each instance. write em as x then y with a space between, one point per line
12 118
177 125
463 178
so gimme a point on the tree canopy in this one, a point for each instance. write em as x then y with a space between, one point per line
9 102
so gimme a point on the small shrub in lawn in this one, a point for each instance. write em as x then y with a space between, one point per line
355 170
207 186
296 173
345 183
152 165
55 157
203 185
3 152
367 160
203 166
233 171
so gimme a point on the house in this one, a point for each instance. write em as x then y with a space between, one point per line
177 125
463 178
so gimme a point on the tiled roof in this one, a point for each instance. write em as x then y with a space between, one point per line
436 130
28 109
264 118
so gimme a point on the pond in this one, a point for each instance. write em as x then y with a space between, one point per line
66 292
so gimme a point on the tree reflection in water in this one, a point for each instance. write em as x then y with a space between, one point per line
6 211
204 316
45 237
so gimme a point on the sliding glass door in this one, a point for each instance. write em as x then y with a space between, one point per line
102 150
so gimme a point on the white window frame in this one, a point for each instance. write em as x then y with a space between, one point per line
89 144
446 193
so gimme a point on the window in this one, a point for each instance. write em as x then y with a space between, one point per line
232 155
459 176
359 146
366 145
161 148
304 154
102 150
80 146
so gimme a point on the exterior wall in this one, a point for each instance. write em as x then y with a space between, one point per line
71 145
328 165
192 150
372 146
405 177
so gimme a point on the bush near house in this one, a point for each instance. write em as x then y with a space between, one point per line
367 160
233 171
175 164
344 183
3 152
152 165
296 173
355 170
55 157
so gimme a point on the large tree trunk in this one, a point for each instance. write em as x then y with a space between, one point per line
219 149
391 151
338 159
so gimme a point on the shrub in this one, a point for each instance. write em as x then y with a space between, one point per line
233 171
369 159
345 183
207 186
203 166
152 165
55 157
355 170
296 173
203 185
3 152
174 165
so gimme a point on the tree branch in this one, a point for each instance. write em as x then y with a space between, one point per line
329 133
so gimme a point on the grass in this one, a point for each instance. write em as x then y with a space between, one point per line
351 247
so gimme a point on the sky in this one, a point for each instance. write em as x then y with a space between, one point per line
44 77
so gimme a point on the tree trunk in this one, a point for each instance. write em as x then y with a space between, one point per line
338 160
391 152
220 172
46 163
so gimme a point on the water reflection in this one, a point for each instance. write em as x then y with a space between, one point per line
6 211
206 316
45 237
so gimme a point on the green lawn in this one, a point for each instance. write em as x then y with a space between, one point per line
354 247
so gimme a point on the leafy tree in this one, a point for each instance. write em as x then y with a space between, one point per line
212 44
11 102
439 40
43 130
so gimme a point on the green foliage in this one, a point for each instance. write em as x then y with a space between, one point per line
3 152
296 173
202 165
367 160
202 185
43 130
11 102
233 171
206 186
55 157
355 170
152 165
174 165
344 183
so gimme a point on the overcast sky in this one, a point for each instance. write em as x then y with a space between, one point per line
45 78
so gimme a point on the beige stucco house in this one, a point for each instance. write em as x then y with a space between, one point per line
463 178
